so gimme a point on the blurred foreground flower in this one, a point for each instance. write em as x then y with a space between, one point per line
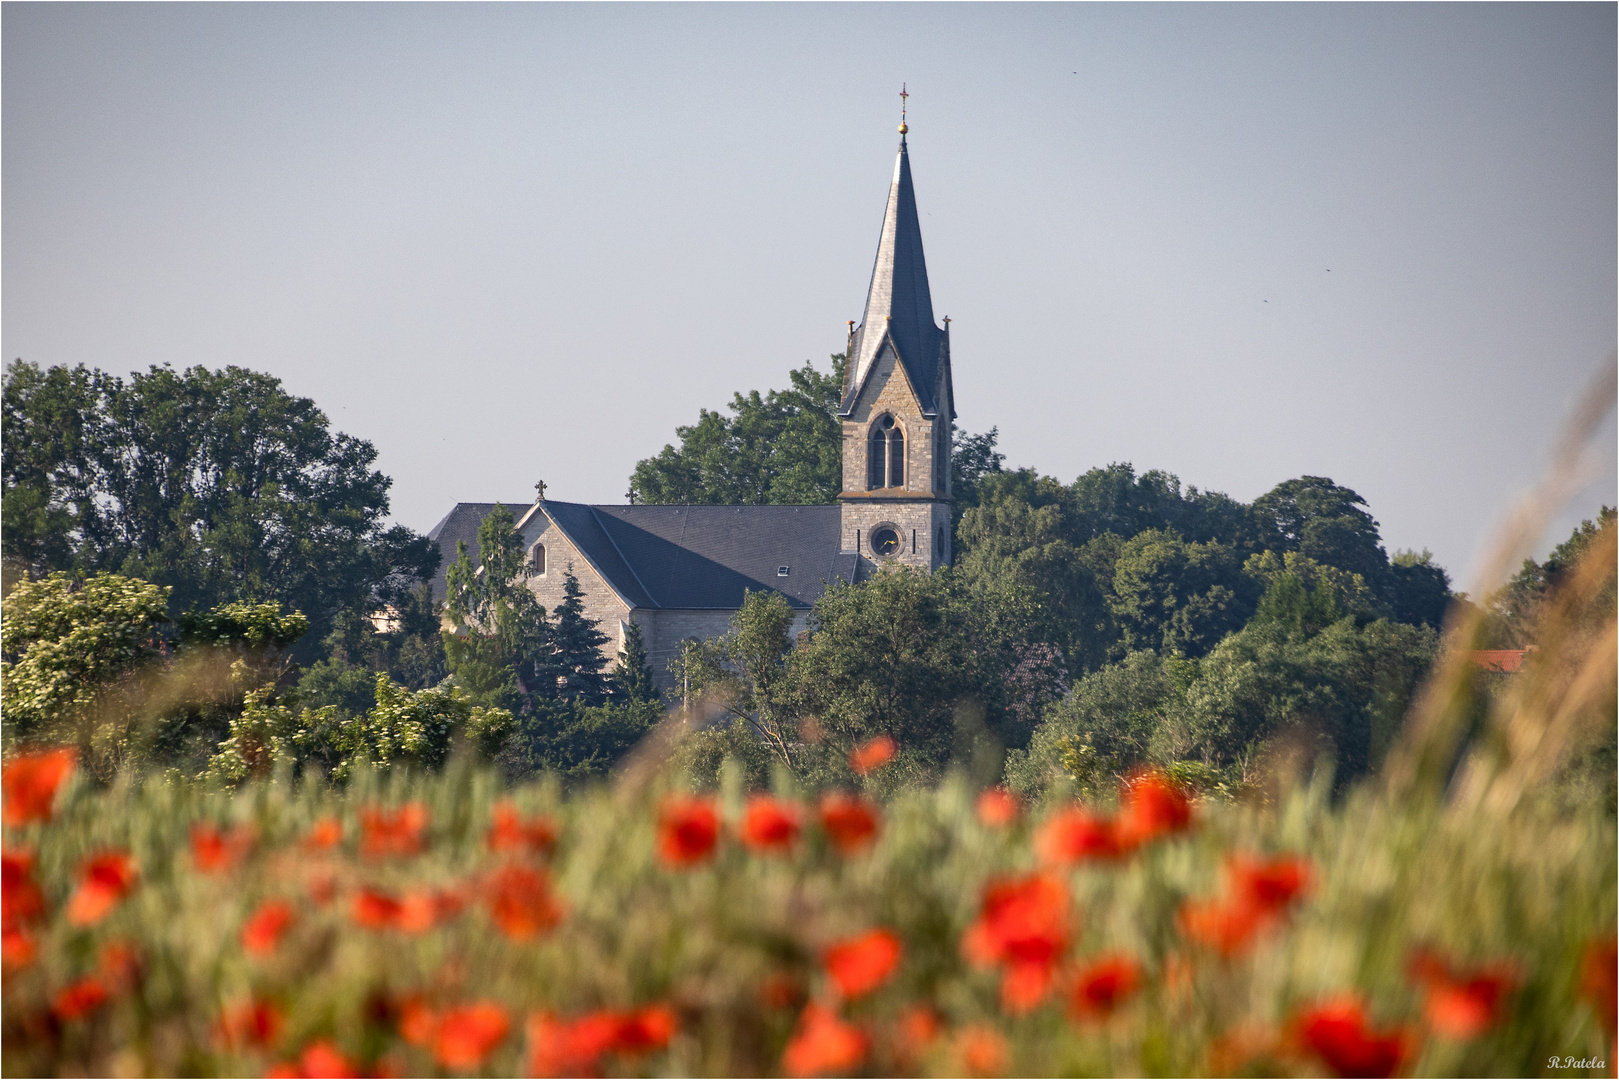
104 881
1151 805
575 1047
849 820
79 999
1104 985
321 1058
861 964
1259 892
400 833
1339 1034
263 930
823 1044
868 757
213 851
688 830
255 1024
1461 1004
997 807
1075 834
983 1051
469 1034
1598 977
770 824
521 902
508 831
30 782
1024 928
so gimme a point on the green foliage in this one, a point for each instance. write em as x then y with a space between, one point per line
1176 596
404 728
1319 519
72 655
631 677
574 740
217 484
498 647
1421 588
744 673
783 447
1516 607
576 647
973 458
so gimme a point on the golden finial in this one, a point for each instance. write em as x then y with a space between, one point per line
902 96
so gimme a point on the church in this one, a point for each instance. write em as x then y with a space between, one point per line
681 572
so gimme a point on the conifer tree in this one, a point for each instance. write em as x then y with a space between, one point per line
631 677
576 647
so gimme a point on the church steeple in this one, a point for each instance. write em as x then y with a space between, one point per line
898 401
899 305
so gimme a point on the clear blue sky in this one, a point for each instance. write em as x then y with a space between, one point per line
507 242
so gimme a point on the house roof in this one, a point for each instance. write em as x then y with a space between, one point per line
690 557
899 305
1502 660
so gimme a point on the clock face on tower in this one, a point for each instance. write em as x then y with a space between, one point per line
885 541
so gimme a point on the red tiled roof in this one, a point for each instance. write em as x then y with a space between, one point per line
1504 660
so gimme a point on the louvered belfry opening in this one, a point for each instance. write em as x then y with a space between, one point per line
885 454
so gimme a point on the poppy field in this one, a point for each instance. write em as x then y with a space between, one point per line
443 925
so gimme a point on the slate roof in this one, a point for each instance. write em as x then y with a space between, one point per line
899 305
462 523
692 557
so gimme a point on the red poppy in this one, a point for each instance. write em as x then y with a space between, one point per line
646 1030
418 911
850 821
574 1047
1597 981
17 949
263 930
1151 805
31 782
1105 984
1460 1004
823 1044
213 851
374 909
997 807
983 1051
399 833
79 999
1258 895
21 900
868 757
1071 835
688 830
250 1024
322 1058
325 833
104 881
1339 1034
418 1023
521 902
770 824
1024 927
469 1034
1269 884
861 964
510 832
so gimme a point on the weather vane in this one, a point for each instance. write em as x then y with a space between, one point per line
902 96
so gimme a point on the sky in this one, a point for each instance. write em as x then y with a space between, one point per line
507 243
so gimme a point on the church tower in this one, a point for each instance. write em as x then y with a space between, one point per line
898 403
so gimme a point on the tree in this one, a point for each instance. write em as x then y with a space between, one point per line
972 459
745 673
217 484
1316 517
499 645
783 447
1178 597
1421 588
1515 608
631 677
576 647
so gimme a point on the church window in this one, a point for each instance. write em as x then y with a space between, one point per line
885 541
536 561
885 454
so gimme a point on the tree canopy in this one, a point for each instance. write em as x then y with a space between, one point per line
218 485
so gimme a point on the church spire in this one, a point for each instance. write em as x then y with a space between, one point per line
899 307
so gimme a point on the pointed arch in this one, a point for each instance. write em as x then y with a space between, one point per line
885 453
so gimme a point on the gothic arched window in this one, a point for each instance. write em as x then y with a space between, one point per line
536 561
885 454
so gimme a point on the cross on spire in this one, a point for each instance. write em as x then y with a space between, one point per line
903 94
